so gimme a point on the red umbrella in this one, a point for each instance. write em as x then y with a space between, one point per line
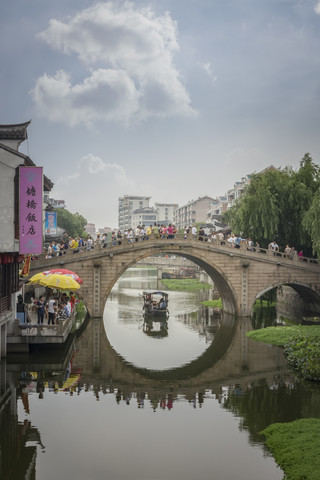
64 271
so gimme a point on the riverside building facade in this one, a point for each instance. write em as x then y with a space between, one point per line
11 136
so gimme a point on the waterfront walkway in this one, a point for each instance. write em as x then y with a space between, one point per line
32 333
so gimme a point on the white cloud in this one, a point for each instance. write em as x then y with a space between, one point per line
67 180
207 68
105 95
317 8
130 53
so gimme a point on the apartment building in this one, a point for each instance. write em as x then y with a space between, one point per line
237 191
165 212
217 207
127 205
143 216
194 211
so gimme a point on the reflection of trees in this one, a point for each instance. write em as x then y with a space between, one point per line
203 321
262 404
263 317
18 457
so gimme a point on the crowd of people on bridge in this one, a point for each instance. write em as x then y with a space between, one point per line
142 233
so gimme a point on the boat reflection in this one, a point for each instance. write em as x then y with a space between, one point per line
155 328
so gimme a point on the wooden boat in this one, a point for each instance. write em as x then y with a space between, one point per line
155 303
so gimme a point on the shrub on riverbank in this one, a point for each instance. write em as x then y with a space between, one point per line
301 346
295 447
213 303
186 285
303 354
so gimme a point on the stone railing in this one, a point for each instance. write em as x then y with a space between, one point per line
179 238
61 328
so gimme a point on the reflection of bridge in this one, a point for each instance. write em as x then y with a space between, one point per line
239 275
230 356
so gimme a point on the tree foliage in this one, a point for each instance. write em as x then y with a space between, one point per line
281 205
73 223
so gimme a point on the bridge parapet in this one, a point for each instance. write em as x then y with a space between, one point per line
112 247
239 274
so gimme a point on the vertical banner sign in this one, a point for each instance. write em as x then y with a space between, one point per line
31 195
51 223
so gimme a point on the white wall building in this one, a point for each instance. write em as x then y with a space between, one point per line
144 216
10 159
165 212
127 205
237 191
217 207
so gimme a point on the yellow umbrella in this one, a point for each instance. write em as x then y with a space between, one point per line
61 282
36 278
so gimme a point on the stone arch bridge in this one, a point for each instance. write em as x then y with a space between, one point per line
240 275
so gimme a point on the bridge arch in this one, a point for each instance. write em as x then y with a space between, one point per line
215 273
310 299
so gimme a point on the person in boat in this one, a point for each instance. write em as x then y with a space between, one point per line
162 304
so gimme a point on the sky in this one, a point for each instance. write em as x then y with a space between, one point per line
172 99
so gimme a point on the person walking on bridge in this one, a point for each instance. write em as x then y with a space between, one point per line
274 247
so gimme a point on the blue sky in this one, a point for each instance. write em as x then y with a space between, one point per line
172 99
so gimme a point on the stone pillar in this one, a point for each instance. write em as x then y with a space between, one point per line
96 289
244 289
96 326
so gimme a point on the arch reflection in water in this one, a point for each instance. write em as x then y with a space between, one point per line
190 329
232 378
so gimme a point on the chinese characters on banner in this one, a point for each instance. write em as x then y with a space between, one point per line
51 223
31 194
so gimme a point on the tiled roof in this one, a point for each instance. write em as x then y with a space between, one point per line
16 131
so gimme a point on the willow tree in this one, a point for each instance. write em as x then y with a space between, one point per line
311 223
275 204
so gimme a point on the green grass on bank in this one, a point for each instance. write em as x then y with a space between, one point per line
295 447
301 347
279 336
213 303
186 285
264 304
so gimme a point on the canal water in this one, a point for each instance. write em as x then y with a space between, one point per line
184 400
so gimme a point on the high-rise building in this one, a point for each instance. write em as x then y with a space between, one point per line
165 212
127 205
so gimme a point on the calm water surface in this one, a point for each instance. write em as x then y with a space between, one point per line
126 401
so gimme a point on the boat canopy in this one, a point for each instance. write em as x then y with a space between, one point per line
155 292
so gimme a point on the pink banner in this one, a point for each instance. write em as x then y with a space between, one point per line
31 195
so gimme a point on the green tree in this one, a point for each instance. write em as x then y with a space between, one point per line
73 223
311 223
275 204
